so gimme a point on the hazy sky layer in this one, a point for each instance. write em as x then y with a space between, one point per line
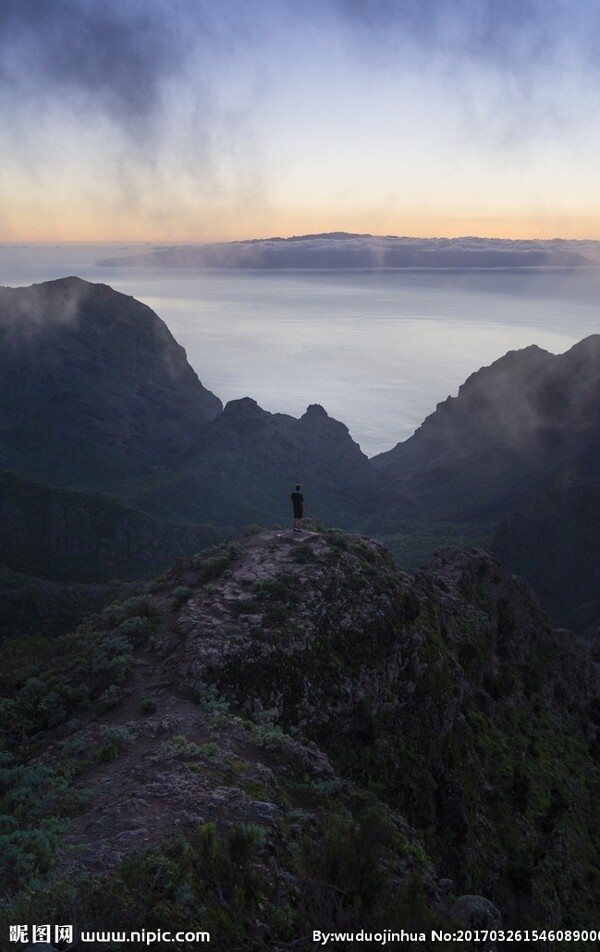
191 120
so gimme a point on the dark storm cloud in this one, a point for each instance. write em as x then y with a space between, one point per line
118 57
108 56
150 103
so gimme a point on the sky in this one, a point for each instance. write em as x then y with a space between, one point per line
192 121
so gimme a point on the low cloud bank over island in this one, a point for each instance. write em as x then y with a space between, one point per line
344 250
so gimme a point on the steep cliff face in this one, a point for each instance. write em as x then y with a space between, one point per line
84 368
297 736
513 427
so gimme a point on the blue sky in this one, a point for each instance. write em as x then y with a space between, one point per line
190 120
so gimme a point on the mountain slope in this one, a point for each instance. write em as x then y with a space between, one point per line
555 544
246 462
66 535
292 734
66 553
92 381
513 428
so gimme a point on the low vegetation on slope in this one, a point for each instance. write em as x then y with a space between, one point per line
290 734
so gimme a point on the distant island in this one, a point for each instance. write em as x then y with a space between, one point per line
339 249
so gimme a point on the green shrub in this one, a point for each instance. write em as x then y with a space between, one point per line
116 739
180 746
136 629
27 855
252 530
143 606
112 697
208 697
73 746
268 734
303 554
181 595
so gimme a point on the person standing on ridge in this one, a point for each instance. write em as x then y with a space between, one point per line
298 504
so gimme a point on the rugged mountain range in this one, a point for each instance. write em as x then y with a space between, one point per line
520 447
291 734
96 393
119 460
245 462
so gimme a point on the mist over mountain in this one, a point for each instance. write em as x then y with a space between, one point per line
85 370
344 250
118 460
513 428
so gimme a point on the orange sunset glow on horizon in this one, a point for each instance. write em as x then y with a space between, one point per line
265 122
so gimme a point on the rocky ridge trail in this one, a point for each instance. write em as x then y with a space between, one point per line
352 740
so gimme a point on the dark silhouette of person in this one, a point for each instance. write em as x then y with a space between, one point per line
298 504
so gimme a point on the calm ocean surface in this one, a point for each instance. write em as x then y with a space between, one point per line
377 349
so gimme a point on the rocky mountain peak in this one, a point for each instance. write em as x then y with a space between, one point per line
315 411
588 348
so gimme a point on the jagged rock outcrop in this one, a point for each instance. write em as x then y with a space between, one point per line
247 461
339 743
91 378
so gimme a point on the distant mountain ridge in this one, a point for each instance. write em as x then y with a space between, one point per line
333 250
514 426
518 446
117 460
97 400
